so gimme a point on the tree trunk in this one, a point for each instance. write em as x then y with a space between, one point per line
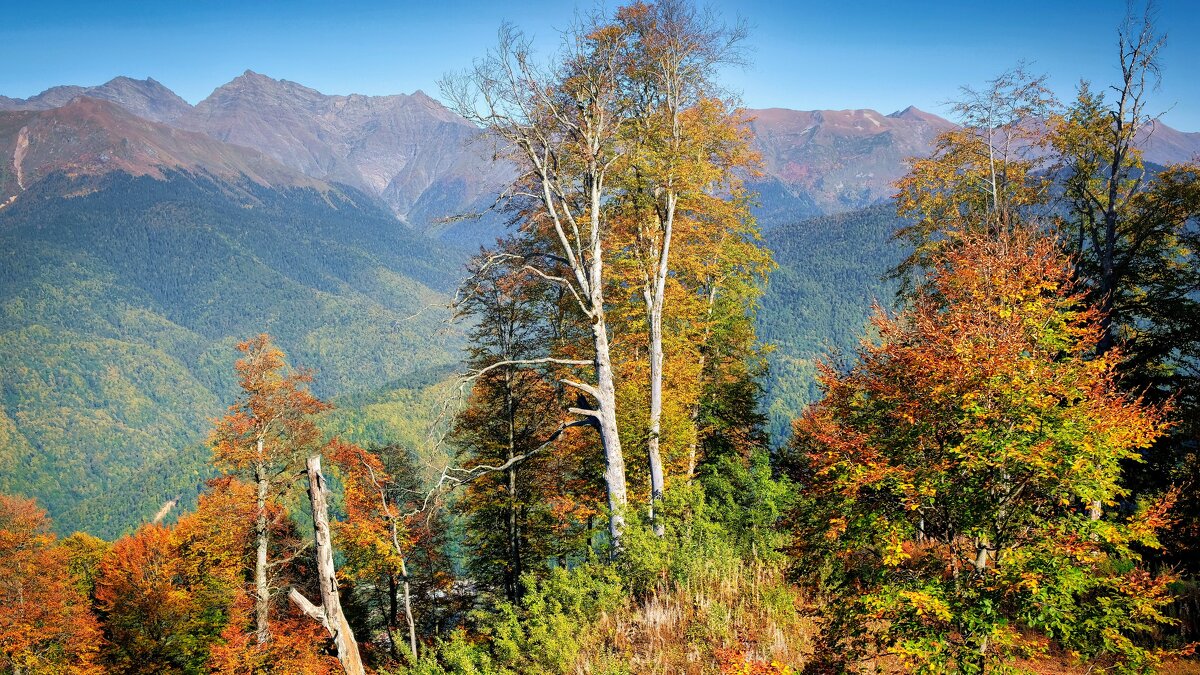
514 538
262 591
408 613
513 573
393 614
693 447
606 390
330 613
656 297
405 585
657 480
606 417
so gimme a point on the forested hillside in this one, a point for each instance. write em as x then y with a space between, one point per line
818 302
122 299
125 285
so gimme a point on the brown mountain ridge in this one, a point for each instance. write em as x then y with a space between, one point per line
422 161
92 137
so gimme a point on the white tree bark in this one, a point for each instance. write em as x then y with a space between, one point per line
562 132
655 298
329 614
262 590
408 610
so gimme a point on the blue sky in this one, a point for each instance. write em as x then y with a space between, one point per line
841 54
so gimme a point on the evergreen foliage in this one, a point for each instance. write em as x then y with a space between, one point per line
120 306
818 302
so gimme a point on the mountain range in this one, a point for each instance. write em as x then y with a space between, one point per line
425 163
141 237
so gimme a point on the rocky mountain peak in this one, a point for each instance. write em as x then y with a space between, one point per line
258 89
912 112
146 98
408 150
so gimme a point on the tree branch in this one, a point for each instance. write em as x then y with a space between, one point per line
311 610
526 362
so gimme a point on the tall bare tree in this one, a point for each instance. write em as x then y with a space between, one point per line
329 614
1105 174
561 126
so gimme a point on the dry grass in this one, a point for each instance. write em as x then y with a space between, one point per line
677 630
747 607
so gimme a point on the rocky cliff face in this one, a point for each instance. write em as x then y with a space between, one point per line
421 159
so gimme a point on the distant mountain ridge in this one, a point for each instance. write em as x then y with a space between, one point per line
408 150
839 160
1164 145
428 165
89 136
146 98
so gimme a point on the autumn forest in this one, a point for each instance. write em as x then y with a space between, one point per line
996 472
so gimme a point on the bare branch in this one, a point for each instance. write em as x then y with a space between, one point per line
527 362
309 609
586 388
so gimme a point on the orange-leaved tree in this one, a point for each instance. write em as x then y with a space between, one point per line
151 618
165 594
292 650
266 437
376 539
950 474
684 151
45 623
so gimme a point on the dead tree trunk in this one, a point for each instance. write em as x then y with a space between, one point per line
408 611
329 614
262 590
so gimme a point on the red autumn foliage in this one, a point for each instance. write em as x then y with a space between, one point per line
45 624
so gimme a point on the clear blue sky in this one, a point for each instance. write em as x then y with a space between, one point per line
881 54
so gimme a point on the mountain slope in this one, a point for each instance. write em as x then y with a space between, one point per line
428 164
819 302
1163 145
408 150
122 296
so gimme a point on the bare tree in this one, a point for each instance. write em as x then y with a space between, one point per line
561 126
329 614
1008 118
1105 169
